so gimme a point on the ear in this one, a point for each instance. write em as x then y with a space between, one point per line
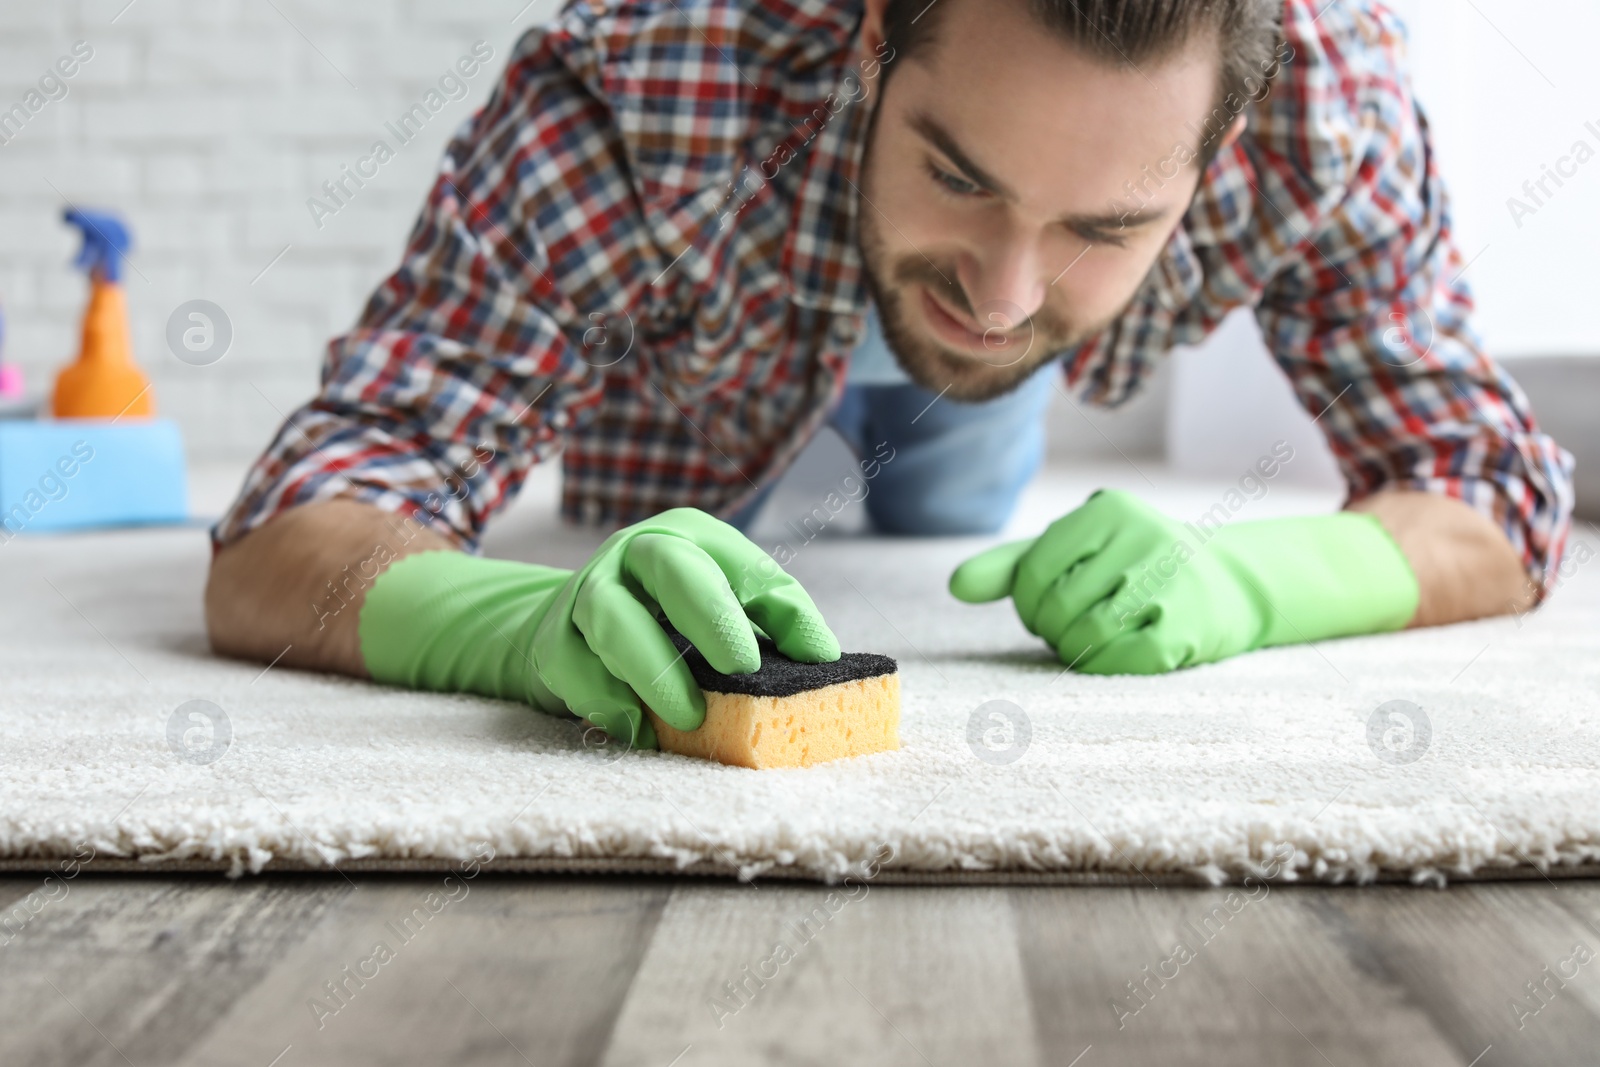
871 26
1234 131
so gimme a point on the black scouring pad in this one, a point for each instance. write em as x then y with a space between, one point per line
780 676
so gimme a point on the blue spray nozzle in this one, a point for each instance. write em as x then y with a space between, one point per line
105 242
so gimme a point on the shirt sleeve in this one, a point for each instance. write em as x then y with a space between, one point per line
469 363
1370 315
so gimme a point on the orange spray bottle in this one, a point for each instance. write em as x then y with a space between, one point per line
104 382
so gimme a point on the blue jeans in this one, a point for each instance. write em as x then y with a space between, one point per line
956 468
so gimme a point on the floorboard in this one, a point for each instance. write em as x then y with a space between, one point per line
284 972
1465 957
887 976
1243 976
505 971
115 971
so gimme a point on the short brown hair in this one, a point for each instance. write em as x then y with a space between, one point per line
1130 32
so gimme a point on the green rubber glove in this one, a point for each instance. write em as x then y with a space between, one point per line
1116 587
588 641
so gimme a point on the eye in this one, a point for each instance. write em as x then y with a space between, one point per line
953 184
1101 237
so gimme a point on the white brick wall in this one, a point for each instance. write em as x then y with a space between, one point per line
208 123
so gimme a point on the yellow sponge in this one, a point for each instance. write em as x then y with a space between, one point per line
790 714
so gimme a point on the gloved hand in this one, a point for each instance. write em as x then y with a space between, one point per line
1116 587
588 641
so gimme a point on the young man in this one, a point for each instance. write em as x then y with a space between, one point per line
680 238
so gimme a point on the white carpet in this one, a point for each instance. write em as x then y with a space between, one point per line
1209 773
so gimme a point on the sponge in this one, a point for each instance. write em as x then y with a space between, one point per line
789 714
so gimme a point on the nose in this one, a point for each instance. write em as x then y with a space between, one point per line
1005 282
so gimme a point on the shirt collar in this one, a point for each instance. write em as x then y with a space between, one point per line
821 257
1175 277
1218 217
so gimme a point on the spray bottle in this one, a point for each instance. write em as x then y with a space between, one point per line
104 382
104 460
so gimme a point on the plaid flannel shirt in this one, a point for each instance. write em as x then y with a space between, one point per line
641 255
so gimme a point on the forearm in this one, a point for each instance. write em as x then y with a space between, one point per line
1464 566
293 588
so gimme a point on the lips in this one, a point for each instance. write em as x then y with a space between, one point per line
947 323
956 332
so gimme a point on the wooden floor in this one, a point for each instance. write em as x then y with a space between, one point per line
287 971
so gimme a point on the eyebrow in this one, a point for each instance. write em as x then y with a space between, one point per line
935 133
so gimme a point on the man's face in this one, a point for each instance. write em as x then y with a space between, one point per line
995 226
